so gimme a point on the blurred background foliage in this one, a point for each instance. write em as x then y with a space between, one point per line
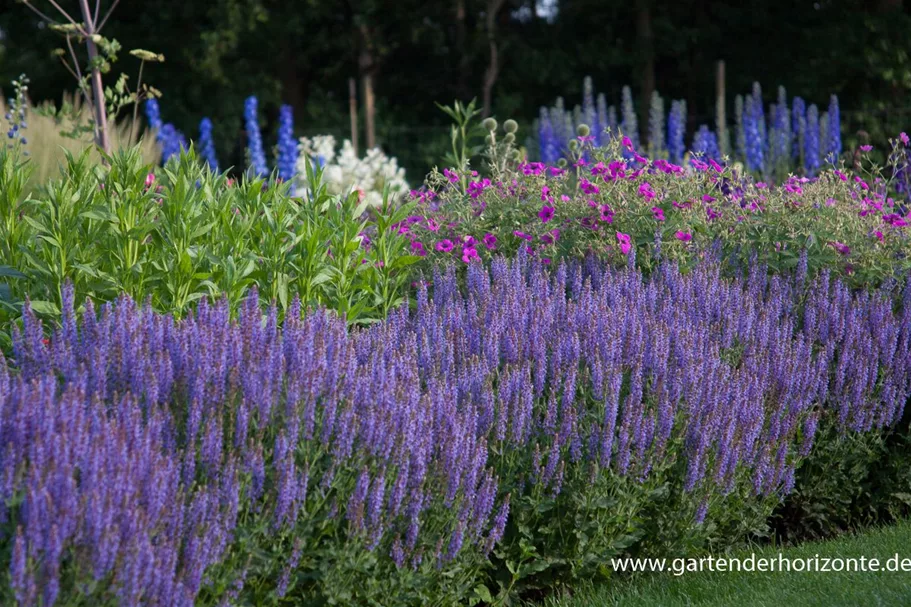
420 52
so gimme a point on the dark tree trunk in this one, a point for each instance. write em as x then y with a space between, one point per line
493 67
647 54
367 65
461 47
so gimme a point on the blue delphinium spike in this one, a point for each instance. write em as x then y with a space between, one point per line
287 145
630 125
603 122
207 145
833 131
676 129
153 113
705 142
257 156
811 141
798 127
656 145
740 133
589 108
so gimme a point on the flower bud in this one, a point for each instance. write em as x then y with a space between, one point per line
562 163
510 126
574 145
509 138
583 130
489 124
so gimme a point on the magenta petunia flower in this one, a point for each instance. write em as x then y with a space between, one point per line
624 240
469 254
683 236
904 138
522 235
841 248
546 213
866 148
490 241
432 225
645 190
469 241
444 245
658 212
417 247
628 143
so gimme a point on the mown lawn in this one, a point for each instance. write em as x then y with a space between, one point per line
778 589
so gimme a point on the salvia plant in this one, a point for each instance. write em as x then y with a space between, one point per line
504 436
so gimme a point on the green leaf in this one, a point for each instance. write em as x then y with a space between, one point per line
44 307
8 272
483 593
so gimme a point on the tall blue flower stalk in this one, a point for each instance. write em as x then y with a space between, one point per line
257 157
630 124
612 120
753 134
705 142
207 144
781 142
798 128
590 109
811 141
759 115
656 145
547 139
833 131
739 129
676 129
153 114
603 122
287 144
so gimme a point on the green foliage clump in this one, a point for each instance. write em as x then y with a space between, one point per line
182 233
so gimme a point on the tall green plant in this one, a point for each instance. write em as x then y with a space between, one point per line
188 233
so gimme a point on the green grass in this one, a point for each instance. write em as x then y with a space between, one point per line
778 589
